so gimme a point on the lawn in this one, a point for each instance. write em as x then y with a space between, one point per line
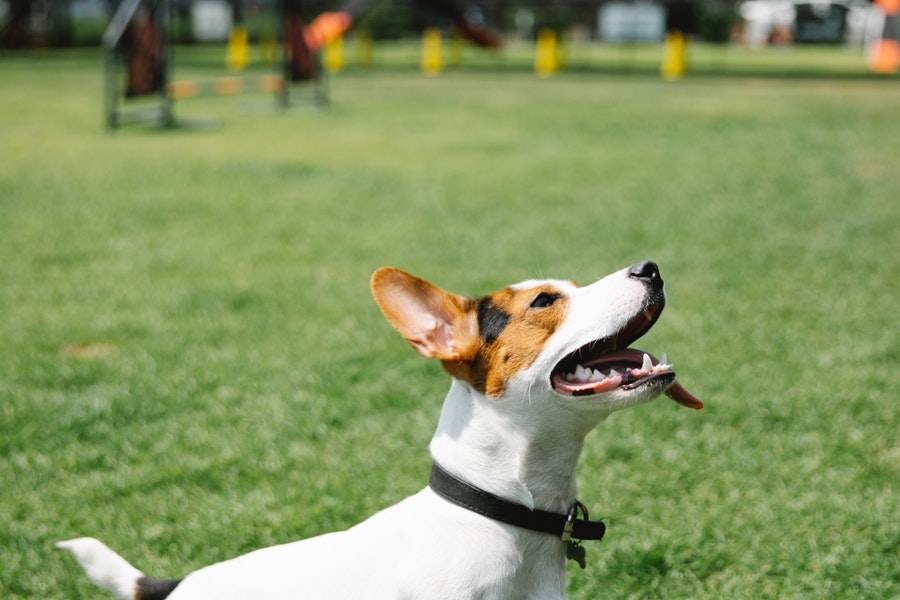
191 365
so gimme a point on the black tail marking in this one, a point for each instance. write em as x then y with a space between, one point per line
149 588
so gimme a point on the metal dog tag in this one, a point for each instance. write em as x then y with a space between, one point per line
576 552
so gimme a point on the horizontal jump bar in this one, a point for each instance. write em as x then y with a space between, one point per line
223 86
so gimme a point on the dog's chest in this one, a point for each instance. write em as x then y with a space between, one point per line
469 556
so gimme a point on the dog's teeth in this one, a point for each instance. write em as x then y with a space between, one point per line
648 315
597 375
613 373
662 366
648 364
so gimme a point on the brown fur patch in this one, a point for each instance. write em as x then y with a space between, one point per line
511 350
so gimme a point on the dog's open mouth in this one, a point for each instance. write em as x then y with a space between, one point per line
609 364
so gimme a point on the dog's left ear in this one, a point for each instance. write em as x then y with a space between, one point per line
437 323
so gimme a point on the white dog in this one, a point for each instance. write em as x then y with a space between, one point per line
535 367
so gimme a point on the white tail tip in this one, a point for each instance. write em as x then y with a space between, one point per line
104 567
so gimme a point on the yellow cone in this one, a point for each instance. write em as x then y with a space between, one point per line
674 62
236 54
432 59
546 53
334 54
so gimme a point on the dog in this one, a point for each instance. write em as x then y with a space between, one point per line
534 368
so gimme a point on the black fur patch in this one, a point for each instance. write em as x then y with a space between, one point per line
491 320
149 588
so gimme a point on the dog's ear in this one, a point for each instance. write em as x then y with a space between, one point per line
438 324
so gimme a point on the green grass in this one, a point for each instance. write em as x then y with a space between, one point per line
191 365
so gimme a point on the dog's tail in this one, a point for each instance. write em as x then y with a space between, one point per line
112 572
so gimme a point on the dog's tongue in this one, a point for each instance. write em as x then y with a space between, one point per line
683 397
630 358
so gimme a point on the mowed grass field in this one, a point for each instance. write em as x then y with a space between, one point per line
192 367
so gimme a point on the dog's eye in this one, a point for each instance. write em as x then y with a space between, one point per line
544 299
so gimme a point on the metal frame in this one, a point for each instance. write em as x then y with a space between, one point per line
159 107
156 107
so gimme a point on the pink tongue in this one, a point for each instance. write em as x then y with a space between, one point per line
633 358
683 397
589 387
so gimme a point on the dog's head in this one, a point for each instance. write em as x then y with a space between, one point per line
540 337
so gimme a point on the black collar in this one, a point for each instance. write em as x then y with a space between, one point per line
567 527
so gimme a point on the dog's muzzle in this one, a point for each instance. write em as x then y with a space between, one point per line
608 364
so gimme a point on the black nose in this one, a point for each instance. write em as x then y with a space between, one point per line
647 271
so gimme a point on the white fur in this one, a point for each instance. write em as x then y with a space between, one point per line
103 566
523 447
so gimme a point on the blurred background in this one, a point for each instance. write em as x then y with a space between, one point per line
577 25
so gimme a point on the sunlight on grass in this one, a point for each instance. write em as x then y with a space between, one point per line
191 365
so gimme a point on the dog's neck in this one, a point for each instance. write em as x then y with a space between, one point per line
492 447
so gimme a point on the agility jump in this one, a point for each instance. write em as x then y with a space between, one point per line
138 37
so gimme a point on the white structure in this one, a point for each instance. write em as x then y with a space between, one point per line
619 22
762 17
211 20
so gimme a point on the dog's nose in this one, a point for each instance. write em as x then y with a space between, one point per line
647 271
